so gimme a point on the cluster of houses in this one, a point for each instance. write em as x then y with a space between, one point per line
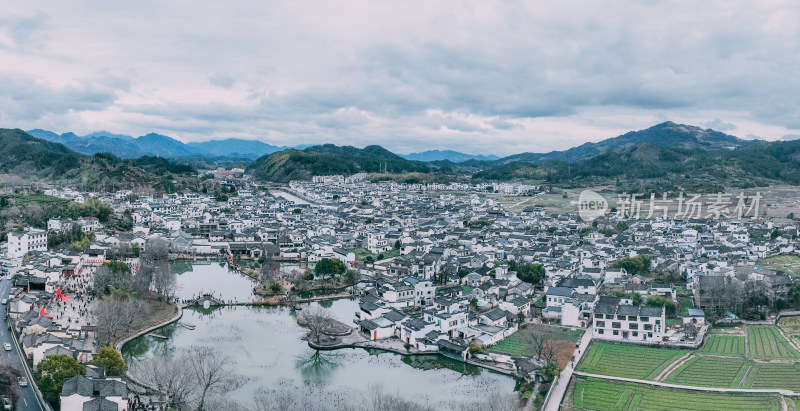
442 258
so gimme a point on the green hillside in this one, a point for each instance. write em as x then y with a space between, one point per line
329 159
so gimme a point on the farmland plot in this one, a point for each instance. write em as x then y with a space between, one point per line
724 346
596 394
766 343
618 360
710 372
774 376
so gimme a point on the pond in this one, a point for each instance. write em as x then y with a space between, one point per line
212 277
265 343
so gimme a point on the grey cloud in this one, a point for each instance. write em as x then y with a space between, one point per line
25 98
222 80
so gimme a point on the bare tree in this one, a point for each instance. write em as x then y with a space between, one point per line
165 280
318 318
211 371
167 373
155 249
117 316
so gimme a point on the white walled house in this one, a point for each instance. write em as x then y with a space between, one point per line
23 242
630 323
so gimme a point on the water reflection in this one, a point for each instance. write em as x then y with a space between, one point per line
265 343
437 362
317 367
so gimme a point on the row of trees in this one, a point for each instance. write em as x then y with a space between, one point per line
126 299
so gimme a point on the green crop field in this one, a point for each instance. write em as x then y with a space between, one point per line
628 361
774 376
596 394
766 343
724 346
710 372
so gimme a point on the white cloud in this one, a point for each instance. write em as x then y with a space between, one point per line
489 77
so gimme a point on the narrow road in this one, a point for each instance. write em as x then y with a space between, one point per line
27 399
558 390
688 387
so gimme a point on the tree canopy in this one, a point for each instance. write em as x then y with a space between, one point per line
329 266
112 360
640 264
53 371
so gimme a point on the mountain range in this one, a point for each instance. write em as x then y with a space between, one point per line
32 157
449 155
666 156
153 144
157 145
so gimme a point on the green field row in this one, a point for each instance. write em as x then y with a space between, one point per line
601 395
766 343
639 362
710 372
728 346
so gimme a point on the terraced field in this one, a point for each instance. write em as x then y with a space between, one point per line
766 343
710 372
643 363
596 394
724 346
774 376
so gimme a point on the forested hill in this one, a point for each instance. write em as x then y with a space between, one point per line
645 167
329 159
29 157
666 134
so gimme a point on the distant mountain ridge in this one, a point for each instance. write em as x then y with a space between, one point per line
32 157
153 144
450 155
666 134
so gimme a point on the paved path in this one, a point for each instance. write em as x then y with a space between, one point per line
687 387
27 398
558 389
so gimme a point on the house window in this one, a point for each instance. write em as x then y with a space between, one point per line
615 325
645 319
601 331
635 333
601 323
631 318
598 316
648 327
634 326
616 332
658 321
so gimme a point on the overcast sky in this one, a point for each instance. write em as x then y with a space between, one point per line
478 77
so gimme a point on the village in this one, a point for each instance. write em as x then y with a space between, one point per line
437 269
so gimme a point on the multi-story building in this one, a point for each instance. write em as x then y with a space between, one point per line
22 242
621 321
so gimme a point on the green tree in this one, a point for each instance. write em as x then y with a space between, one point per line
640 264
551 370
660 301
530 273
52 372
112 360
329 266
275 287
636 297
352 277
